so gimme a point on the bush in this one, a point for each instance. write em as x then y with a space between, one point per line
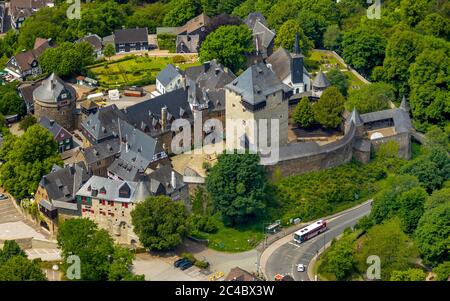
202 264
178 59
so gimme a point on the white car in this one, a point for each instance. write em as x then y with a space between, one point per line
301 267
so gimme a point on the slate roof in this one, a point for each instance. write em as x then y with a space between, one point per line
111 188
26 91
147 114
194 24
402 121
256 83
123 170
238 274
25 59
356 118
168 74
62 184
252 18
103 124
130 35
187 43
140 148
280 62
207 88
101 151
59 133
94 40
321 81
50 89
262 37
163 176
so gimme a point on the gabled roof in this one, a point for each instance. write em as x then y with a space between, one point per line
238 274
94 40
321 81
101 151
130 35
62 184
187 43
26 58
280 62
401 119
194 24
111 187
104 123
168 74
59 133
264 34
163 176
256 83
252 18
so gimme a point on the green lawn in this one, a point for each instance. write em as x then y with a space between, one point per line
234 239
326 61
135 70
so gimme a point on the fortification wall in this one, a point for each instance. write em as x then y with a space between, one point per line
403 140
327 156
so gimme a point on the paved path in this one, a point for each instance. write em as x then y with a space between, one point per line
283 256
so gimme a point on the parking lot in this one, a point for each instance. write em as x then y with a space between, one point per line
162 269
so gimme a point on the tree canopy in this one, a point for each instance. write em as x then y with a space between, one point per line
100 259
27 158
286 37
371 98
159 222
328 110
228 44
10 101
238 188
303 114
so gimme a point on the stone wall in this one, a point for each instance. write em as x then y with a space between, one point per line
403 140
64 115
328 156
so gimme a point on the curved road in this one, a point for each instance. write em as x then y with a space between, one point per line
284 259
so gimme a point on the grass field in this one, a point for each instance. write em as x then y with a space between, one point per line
234 239
134 70
327 61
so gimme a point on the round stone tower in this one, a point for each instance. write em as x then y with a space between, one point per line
55 100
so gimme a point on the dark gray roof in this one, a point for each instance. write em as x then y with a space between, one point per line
101 151
94 40
402 121
59 133
168 74
62 184
104 123
321 81
124 170
356 118
280 62
256 83
207 89
140 149
163 175
187 43
51 88
146 115
26 91
252 18
130 35
262 37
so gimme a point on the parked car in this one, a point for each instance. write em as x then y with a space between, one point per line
186 265
301 267
179 262
3 197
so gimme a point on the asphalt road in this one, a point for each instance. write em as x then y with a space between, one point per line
285 259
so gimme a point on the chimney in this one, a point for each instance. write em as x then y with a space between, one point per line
217 71
52 122
163 117
173 180
206 66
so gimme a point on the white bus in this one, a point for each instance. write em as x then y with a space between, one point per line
310 231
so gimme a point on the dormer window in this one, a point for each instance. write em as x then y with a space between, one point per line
102 190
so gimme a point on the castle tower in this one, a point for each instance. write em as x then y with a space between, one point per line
257 94
404 105
320 84
55 100
297 63
356 119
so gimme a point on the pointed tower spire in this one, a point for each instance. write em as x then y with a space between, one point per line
404 104
296 44
356 118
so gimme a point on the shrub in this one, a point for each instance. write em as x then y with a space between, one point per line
178 59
